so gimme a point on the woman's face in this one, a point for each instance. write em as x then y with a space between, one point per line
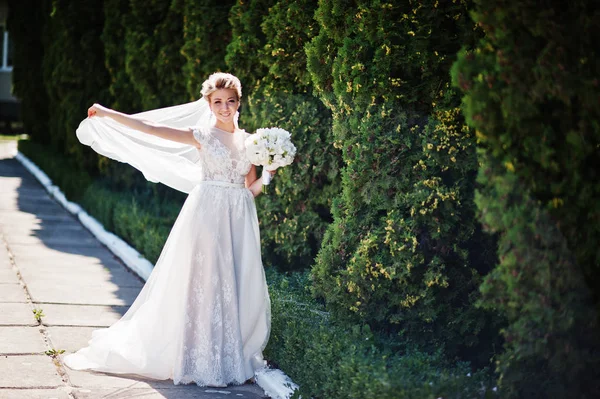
224 104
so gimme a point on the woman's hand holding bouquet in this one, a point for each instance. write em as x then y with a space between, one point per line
270 148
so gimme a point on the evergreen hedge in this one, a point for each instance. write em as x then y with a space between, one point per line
123 94
332 360
531 91
206 34
124 97
153 59
402 253
73 72
268 52
247 41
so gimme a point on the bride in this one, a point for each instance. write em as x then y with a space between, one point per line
203 316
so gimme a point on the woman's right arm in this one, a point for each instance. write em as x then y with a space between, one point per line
184 136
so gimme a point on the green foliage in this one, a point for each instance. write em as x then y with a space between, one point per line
145 228
73 72
551 347
402 253
206 34
329 360
142 218
143 45
247 40
531 92
288 27
296 213
372 53
122 91
28 83
124 96
38 313
153 60
54 352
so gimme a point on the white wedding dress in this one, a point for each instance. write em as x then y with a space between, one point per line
204 314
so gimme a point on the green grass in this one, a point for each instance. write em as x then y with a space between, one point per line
54 352
38 314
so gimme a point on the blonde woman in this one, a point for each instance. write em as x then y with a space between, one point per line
203 315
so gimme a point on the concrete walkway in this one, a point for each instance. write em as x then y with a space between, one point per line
51 264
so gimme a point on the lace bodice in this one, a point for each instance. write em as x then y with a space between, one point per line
222 154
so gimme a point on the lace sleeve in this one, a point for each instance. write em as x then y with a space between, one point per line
199 135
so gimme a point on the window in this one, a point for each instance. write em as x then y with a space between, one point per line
6 50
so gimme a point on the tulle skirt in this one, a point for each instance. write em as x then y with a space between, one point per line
203 316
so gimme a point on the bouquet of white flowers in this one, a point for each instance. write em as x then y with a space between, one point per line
270 148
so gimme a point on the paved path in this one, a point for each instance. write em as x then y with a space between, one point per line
50 262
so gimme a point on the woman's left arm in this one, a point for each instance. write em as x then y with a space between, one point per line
254 183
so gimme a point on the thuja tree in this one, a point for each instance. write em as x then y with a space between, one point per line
25 23
206 34
247 41
297 211
153 60
142 49
402 253
124 96
73 71
531 91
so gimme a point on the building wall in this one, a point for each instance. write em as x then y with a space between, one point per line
5 75
5 86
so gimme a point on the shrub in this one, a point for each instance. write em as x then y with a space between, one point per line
73 72
531 92
551 343
123 94
145 228
247 40
206 34
402 251
153 60
296 213
329 360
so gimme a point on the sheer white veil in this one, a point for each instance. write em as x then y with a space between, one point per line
168 162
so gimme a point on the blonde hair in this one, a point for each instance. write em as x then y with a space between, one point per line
218 81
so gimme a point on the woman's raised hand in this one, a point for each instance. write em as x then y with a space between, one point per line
97 110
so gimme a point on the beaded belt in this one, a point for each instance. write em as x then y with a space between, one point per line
223 184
